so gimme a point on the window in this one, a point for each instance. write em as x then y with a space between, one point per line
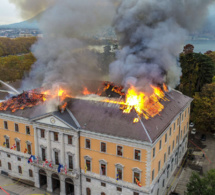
103 193
16 127
169 150
55 136
119 151
9 166
103 147
7 142
30 173
29 148
173 144
174 126
42 133
119 173
137 154
70 139
165 137
43 150
176 141
153 174
5 125
19 158
8 155
185 114
153 152
137 176
103 169
182 117
18 145
119 189
136 193
103 184
56 158
88 164
88 180
27 129
87 143
170 131
88 191
20 169
178 122
164 158
160 144
159 165
70 162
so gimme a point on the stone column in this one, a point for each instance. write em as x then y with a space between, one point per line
36 177
49 154
62 160
49 183
62 185
36 141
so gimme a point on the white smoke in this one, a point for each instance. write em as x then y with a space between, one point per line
151 34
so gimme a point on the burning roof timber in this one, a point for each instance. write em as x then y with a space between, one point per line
107 118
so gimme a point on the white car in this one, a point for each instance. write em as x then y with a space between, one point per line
191 124
193 131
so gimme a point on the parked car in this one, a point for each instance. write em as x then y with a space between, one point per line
192 125
193 131
203 137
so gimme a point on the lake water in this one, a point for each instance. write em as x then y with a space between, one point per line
202 45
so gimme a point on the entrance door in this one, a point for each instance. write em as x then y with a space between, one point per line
69 187
43 179
56 183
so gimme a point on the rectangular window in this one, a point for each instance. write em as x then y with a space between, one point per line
56 158
70 162
174 126
55 136
160 144
153 152
136 193
182 117
119 189
159 165
30 173
88 180
137 154
103 169
70 139
43 154
173 144
165 137
103 184
164 158
169 150
8 155
9 166
136 175
42 133
176 141
5 125
88 164
170 131
18 146
16 127
19 158
7 143
153 174
87 143
103 147
185 114
29 148
27 128
119 151
119 173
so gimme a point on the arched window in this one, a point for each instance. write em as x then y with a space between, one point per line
20 169
9 166
103 193
88 191
30 173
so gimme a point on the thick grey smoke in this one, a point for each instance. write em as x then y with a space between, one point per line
151 34
61 54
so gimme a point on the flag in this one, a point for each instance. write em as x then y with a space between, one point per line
46 161
138 183
65 169
50 164
117 176
14 146
4 143
25 150
31 158
85 168
59 168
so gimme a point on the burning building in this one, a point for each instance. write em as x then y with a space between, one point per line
105 145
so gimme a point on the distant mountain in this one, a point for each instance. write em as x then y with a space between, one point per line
29 24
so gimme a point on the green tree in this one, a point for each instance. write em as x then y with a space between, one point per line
197 70
204 108
205 185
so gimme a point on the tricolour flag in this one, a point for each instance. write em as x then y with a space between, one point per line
117 176
59 168
65 169
50 164
138 183
31 159
13 146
